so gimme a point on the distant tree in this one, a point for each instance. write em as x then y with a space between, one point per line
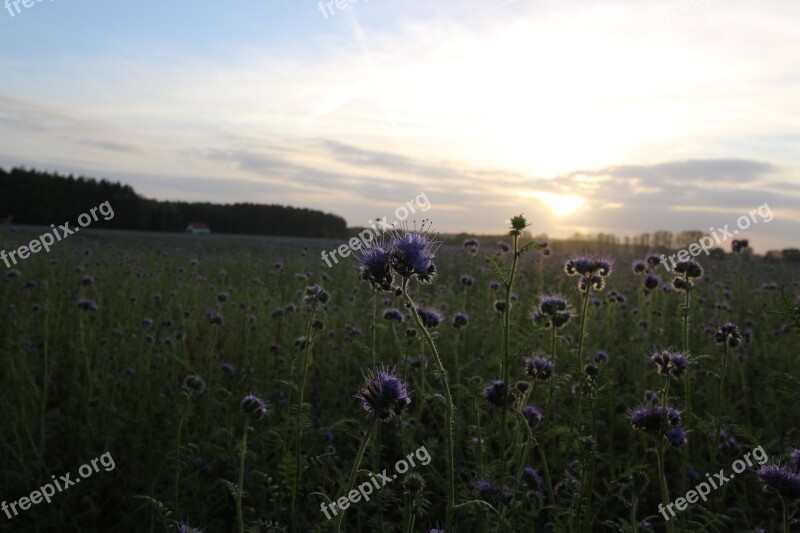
791 255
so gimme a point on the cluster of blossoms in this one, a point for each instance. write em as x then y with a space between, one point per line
728 334
685 273
497 393
737 245
409 254
315 296
384 394
592 271
674 364
653 419
553 312
539 368
472 246
254 407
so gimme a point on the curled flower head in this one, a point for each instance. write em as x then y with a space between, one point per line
639 267
413 253
651 282
653 260
676 436
467 280
652 418
460 320
592 271
540 368
316 295
728 334
780 479
600 356
430 318
518 225
672 363
553 312
193 386
393 314
737 245
254 407
376 267
498 392
472 246
384 394
87 305
533 414
690 269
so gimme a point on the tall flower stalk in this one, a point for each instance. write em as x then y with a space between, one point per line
255 409
410 254
383 396
315 297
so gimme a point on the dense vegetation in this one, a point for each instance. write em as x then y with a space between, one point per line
145 347
41 198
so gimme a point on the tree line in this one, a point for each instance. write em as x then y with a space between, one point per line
41 198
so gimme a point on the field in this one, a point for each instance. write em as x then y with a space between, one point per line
144 347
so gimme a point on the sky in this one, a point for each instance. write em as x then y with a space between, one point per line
613 116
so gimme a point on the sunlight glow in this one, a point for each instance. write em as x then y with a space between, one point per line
561 204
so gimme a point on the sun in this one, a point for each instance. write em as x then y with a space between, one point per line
560 204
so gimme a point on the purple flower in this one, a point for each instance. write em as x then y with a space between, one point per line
376 267
497 393
460 320
315 296
412 255
539 368
87 305
384 394
393 314
652 418
676 436
533 414
553 312
780 479
429 317
728 334
254 407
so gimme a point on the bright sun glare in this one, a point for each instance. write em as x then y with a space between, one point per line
561 204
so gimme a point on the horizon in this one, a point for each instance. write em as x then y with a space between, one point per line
603 117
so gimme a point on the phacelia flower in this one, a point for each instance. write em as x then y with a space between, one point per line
315 296
376 267
592 271
540 368
651 418
781 479
676 437
429 317
460 320
193 386
384 394
674 363
728 334
498 392
639 267
87 305
254 407
689 268
553 312
393 314
737 245
412 255
467 280
533 414
472 246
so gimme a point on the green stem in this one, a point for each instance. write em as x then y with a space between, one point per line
507 344
448 415
354 472
239 489
663 479
298 432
